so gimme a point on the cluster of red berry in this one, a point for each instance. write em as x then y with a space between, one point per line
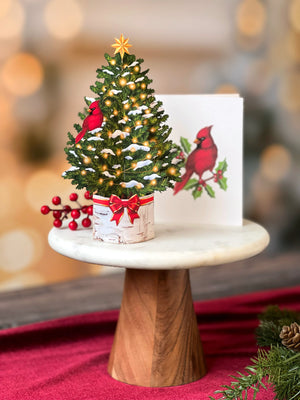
60 214
218 175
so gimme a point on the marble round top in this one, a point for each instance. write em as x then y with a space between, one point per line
174 246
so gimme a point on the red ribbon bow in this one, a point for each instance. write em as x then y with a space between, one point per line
118 205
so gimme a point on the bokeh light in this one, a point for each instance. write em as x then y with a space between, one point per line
226 88
289 92
251 17
293 45
63 18
11 194
43 185
12 260
12 18
275 163
22 74
294 15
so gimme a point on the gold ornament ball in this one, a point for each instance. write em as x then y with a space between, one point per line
86 160
127 129
118 152
172 171
100 181
104 167
78 146
152 130
98 134
111 183
133 99
110 93
148 156
135 105
155 168
125 118
123 82
103 88
147 111
113 83
139 186
115 112
143 86
109 134
83 172
134 140
104 119
133 165
125 66
132 86
122 136
133 149
146 143
118 172
138 123
159 153
123 184
153 182
145 122
136 68
105 155
112 62
126 106
108 103
143 96
90 148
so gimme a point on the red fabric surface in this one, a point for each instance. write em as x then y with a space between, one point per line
67 358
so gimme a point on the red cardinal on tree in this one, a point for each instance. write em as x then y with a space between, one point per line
92 121
202 159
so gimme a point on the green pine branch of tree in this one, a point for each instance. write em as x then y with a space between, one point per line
131 153
277 367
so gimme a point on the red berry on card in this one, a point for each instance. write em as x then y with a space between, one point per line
73 196
199 188
56 214
86 222
75 214
73 225
56 200
220 172
88 195
45 210
57 223
221 177
84 209
90 210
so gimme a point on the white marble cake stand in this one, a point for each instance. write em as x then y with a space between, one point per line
157 341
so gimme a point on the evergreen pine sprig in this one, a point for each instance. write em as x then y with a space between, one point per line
277 367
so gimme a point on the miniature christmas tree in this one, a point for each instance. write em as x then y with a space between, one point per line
122 148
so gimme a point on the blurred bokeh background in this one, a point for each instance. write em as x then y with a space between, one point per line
49 51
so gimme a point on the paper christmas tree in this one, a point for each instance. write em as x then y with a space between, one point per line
122 147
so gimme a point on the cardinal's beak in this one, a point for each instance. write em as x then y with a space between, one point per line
89 110
197 141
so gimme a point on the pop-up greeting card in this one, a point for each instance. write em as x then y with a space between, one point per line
209 129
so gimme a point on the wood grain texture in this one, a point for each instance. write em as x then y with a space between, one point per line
157 342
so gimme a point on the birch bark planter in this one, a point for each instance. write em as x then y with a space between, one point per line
123 221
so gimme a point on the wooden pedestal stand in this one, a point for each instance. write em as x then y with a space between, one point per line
157 342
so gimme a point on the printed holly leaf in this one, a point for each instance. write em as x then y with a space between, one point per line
222 166
223 183
191 184
209 191
81 115
185 144
197 193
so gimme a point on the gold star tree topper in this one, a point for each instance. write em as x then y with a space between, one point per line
121 46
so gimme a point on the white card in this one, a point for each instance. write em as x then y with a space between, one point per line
189 114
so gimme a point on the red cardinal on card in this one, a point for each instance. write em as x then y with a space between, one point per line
202 159
92 121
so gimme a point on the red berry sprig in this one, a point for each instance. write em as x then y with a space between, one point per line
59 214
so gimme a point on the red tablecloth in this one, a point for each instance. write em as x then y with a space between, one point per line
66 358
